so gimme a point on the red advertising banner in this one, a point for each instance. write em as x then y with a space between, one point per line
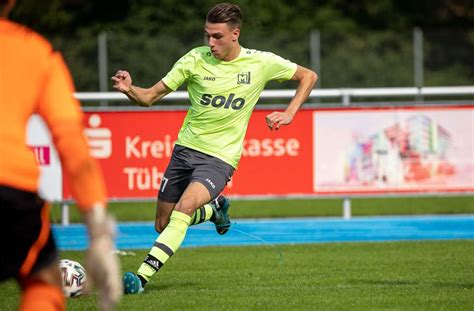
323 152
275 162
134 149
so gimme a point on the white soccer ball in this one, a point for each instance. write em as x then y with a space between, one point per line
73 276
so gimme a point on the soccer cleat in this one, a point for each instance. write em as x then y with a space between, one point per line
221 214
132 283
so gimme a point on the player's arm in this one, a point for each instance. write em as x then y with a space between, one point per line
122 82
307 79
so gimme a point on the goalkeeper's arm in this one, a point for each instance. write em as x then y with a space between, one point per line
89 190
102 264
63 115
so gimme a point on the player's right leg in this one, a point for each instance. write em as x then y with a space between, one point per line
216 211
175 180
135 283
170 239
163 213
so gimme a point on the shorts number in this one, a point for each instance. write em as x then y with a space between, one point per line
163 184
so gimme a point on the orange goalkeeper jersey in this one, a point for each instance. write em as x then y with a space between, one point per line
35 80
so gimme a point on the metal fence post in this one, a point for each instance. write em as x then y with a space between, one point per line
418 59
65 214
315 53
102 51
346 208
346 97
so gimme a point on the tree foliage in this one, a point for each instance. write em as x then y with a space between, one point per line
66 16
363 43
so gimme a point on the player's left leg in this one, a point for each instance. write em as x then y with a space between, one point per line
215 211
202 214
215 175
220 216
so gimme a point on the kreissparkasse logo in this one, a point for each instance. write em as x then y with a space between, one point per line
243 78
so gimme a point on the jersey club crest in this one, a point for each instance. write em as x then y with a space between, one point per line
243 78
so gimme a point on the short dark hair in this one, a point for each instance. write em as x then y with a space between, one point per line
228 13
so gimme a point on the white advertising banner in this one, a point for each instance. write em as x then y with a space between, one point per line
393 150
39 139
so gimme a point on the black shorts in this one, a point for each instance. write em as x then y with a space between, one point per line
188 165
26 240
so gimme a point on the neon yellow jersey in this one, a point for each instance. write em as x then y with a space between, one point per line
223 96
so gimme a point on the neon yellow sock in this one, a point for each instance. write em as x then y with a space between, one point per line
165 245
202 214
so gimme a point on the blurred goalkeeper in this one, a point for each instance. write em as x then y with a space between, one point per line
35 80
224 81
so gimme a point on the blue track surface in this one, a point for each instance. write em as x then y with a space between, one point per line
287 231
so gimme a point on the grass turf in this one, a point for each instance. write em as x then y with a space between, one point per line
145 211
428 275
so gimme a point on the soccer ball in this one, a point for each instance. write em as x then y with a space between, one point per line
73 276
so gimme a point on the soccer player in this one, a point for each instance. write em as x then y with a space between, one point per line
34 79
224 81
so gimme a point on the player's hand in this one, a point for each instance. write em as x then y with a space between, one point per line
276 119
102 264
122 81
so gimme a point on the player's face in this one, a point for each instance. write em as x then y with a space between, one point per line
222 39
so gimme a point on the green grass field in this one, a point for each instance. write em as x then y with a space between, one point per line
422 275
356 276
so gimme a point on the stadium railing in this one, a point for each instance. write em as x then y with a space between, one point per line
345 94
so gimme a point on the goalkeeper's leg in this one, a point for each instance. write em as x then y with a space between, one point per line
28 251
43 291
168 242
